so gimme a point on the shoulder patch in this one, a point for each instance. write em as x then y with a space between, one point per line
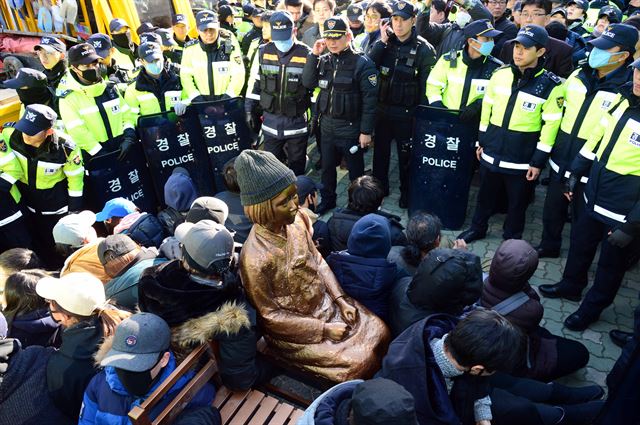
553 77
9 124
3 146
76 159
496 60
373 79
190 42
560 102
64 94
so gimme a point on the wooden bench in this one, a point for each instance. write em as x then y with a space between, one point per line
250 407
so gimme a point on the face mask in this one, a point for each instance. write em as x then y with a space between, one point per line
462 19
284 46
599 58
137 383
36 95
122 40
485 47
154 68
92 75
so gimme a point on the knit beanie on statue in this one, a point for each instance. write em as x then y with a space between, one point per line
261 176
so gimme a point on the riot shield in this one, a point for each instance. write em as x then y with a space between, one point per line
110 178
224 130
170 141
441 165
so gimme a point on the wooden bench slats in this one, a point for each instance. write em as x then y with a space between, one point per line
267 406
282 414
297 414
221 397
249 406
232 405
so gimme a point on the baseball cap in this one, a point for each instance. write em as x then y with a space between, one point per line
561 10
117 24
250 10
481 27
224 11
404 9
118 244
532 35
73 229
77 293
335 27
138 342
179 19
116 207
636 64
621 35
36 118
150 51
582 4
281 26
355 13
82 54
305 186
613 14
102 44
166 36
146 27
207 208
150 37
26 77
382 401
204 243
51 44
207 19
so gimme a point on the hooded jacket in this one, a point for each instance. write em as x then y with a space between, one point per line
446 281
329 408
35 328
146 230
363 271
107 402
343 220
85 260
24 398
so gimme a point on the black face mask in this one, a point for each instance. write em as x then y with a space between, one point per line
92 75
122 40
137 384
40 95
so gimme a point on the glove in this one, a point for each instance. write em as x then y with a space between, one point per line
471 113
180 107
251 121
619 238
125 147
570 184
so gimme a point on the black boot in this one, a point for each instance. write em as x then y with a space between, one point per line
561 394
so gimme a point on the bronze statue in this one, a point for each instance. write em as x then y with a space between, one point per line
307 319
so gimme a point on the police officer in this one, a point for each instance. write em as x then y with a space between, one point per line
51 178
212 65
346 103
125 54
167 44
93 111
587 94
404 60
253 13
180 36
611 159
157 87
279 90
521 113
31 86
108 65
51 52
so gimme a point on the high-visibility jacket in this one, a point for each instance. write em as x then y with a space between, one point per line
52 177
10 172
146 95
459 81
586 99
93 115
611 158
520 118
213 70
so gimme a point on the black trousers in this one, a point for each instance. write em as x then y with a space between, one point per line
518 190
15 235
613 262
41 227
388 130
336 144
296 151
554 214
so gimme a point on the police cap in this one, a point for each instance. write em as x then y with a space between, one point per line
621 35
82 54
26 77
532 35
335 27
36 118
102 44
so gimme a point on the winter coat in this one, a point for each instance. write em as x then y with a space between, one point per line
106 402
446 281
395 256
85 260
324 409
24 399
237 221
146 231
343 219
35 328
70 369
171 218
123 289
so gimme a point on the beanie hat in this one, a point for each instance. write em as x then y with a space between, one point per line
261 176
370 237
179 190
513 264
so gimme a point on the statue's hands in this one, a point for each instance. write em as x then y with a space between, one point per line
336 331
347 311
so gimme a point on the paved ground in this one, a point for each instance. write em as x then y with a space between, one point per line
603 351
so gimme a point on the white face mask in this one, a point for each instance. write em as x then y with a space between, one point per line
462 18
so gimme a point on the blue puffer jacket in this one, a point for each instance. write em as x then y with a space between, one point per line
146 231
106 402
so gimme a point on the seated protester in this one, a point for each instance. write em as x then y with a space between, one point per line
179 194
365 197
308 201
200 297
76 301
17 259
378 401
137 359
76 240
449 382
446 281
237 221
124 261
24 397
363 270
507 291
122 216
27 314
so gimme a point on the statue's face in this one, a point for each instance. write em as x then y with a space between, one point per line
285 206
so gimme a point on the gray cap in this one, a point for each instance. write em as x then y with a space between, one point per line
205 243
118 244
207 208
138 343
261 176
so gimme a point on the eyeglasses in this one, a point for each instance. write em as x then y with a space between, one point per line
371 18
526 15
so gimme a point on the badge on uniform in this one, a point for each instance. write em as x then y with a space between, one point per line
560 102
115 109
373 79
323 84
3 146
77 160
238 60
634 139
528 106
